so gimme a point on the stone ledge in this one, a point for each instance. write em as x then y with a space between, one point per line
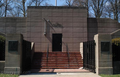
12 70
54 7
106 70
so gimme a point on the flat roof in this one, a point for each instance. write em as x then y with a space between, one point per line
55 7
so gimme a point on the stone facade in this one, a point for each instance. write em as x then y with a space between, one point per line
71 22
103 57
101 25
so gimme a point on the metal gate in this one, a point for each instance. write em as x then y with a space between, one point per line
89 55
2 51
116 57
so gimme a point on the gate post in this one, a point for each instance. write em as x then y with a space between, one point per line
103 54
81 49
13 54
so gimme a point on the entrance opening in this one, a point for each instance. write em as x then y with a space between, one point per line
2 47
116 55
56 42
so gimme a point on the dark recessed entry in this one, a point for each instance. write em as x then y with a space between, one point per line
56 42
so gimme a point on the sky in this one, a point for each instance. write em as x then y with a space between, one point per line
59 2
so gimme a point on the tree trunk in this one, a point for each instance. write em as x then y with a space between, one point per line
87 8
36 2
116 10
6 8
24 8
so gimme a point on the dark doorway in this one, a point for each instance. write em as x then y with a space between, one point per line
56 42
116 57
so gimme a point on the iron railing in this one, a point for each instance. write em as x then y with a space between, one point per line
2 51
68 54
47 54
89 55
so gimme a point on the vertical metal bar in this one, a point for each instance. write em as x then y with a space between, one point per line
68 54
45 28
83 54
47 54
94 55
89 55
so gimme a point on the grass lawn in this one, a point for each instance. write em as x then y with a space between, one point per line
8 75
110 75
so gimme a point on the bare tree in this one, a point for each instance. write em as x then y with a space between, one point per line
83 3
23 7
16 12
37 2
7 6
1 11
1 8
70 2
115 7
98 7
107 12
47 4
20 8
1 3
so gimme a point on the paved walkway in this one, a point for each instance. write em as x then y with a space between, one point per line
60 75
62 70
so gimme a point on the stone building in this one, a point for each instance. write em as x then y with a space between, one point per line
63 28
69 24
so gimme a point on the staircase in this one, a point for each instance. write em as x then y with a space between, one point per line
57 60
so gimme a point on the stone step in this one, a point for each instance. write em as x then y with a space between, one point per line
59 60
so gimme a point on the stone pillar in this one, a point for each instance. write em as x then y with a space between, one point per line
81 49
103 54
13 54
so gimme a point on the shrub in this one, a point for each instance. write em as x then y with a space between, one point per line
116 41
2 38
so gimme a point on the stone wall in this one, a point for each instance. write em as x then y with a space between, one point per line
13 54
2 65
92 28
13 25
103 55
101 25
70 21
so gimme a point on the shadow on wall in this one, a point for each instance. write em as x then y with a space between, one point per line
48 32
49 26
92 28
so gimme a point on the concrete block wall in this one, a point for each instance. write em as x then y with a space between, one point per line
106 25
103 59
92 28
115 34
13 25
101 25
13 59
72 22
2 65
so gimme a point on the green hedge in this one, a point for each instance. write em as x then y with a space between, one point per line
8 75
2 38
116 41
110 75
